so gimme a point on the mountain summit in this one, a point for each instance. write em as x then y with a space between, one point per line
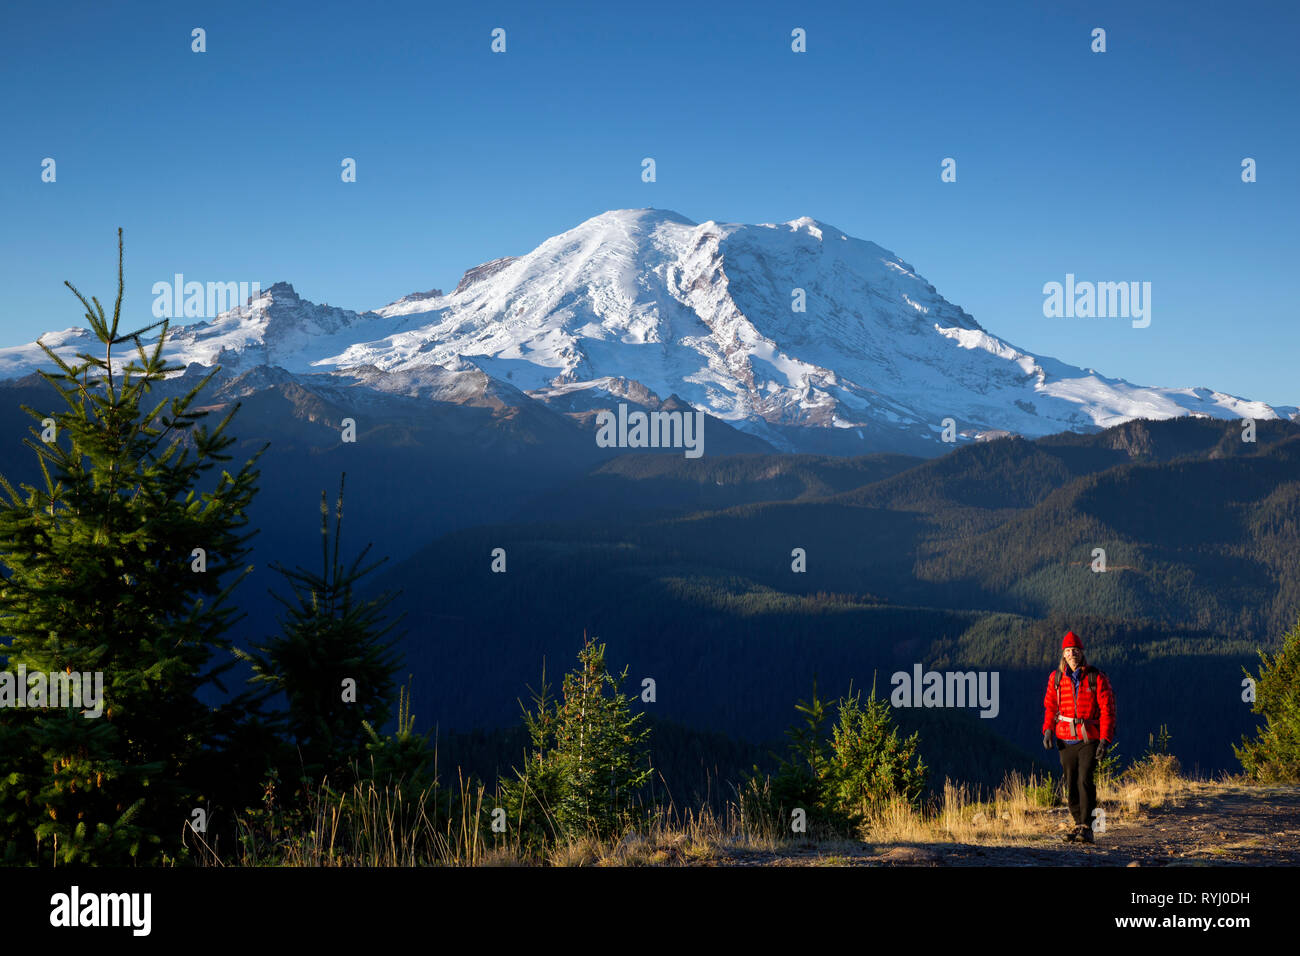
794 332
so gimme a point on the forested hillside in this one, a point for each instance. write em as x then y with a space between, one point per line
979 561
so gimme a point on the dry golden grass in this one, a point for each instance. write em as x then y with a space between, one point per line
375 826
963 814
1018 809
662 841
366 825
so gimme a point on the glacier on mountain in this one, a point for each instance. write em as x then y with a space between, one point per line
647 298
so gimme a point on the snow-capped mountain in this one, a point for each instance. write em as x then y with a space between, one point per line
644 300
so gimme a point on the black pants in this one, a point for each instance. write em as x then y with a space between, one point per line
1078 761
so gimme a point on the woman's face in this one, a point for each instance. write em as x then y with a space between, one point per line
1072 657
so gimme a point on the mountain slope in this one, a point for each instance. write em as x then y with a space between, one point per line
644 304
706 311
978 560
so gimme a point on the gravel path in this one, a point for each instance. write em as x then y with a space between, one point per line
1209 824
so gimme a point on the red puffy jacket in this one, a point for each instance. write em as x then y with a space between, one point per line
1095 706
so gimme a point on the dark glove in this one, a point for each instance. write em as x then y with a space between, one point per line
1049 738
1102 748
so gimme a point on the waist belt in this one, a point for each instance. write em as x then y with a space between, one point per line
1076 724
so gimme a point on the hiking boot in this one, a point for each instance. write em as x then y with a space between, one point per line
1072 834
1085 834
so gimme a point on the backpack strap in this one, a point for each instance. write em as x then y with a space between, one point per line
1077 723
1096 690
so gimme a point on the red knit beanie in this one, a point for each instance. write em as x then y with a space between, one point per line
1071 640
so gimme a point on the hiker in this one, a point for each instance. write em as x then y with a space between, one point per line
1079 720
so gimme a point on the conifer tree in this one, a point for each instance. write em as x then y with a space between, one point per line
598 739
532 798
1273 756
837 781
800 776
103 573
588 759
871 762
402 758
330 659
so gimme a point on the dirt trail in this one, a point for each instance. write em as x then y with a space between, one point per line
1208 824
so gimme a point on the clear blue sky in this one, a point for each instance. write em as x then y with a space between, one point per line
1116 166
